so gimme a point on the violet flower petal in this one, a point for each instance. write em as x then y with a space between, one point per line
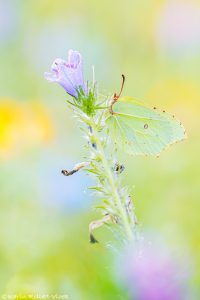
69 74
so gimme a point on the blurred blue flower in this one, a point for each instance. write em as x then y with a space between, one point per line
69 74
9 20
61 192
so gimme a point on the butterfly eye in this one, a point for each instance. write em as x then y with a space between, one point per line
146 126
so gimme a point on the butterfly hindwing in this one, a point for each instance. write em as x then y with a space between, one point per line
140 130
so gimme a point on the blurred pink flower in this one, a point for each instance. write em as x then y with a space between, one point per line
178 27
154 274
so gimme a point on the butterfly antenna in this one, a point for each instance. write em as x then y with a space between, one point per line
116 97
122 86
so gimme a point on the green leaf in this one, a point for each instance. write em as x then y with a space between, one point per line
140 130
96 188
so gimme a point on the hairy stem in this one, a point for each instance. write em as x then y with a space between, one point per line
109 175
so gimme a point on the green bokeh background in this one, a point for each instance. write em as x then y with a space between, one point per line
44 217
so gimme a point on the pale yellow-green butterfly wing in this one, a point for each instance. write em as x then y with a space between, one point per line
140 130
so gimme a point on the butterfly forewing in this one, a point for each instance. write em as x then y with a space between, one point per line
140 130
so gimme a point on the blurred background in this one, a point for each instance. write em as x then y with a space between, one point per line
44 216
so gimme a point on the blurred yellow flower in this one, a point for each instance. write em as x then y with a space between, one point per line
23 125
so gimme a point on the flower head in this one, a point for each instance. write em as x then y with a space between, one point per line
69 74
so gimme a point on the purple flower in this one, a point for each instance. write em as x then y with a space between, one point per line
69 74
152 273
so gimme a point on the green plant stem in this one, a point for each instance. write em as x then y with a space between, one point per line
109 175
